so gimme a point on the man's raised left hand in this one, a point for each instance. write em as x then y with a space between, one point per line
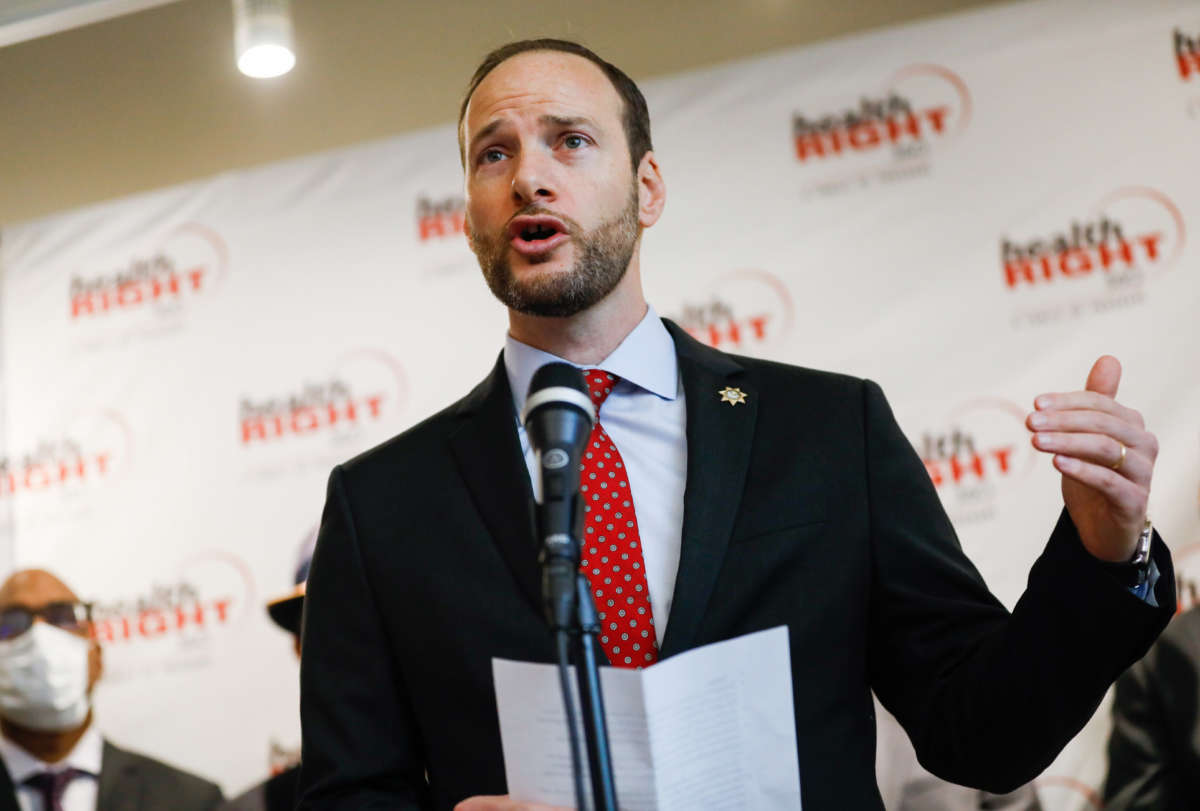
1106 457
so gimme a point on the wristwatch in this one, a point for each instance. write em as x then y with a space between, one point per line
1133 572
1141 555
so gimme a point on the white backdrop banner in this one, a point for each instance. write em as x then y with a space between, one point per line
969 211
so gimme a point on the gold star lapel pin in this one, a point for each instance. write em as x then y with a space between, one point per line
732 396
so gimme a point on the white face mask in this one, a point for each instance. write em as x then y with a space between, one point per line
44 678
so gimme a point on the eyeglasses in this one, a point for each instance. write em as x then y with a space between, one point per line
17 619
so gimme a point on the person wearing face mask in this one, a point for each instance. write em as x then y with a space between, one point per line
53 757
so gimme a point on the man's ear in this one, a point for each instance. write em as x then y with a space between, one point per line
467 228
652 191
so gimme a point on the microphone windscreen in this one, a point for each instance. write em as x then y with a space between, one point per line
558 385
557 374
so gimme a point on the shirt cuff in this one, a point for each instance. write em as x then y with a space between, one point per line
1145 590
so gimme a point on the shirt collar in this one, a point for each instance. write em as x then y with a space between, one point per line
86 756
646 358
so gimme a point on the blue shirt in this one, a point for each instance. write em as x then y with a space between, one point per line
646 418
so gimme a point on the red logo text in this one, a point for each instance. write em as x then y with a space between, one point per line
178 608
875 123
716 325
1083 248
440 219
1131 228
954 459
745 309
316 408
144 282
1187 54
53 465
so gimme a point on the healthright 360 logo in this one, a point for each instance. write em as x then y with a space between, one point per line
187 262
1095 263
149 292
885 134
975 451
1187 55
326 417
441 218
439 230
177 621
743 311
63 474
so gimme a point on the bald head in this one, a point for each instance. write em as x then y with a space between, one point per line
34 588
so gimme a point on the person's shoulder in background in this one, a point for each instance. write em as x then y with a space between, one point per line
276 794
1154 749
125 774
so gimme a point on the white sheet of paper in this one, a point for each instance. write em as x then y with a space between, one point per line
710 728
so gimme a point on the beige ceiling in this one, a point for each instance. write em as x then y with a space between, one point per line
153 98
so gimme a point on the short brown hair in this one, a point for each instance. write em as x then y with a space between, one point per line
636 115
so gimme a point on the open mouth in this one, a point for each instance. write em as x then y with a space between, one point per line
536 234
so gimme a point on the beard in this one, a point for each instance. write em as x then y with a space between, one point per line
603 257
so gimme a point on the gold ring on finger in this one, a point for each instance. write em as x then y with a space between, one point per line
1117 464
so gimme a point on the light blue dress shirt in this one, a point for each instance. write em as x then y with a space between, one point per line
646 418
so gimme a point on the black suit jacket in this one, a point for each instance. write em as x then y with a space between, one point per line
133 782
805 507
1154 750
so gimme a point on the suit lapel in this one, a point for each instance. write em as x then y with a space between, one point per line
719 437
119 788
489 458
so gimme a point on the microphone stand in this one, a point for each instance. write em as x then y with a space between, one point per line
595 728
559 415
572 615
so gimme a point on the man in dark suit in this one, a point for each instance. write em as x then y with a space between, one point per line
1154 749
749 494
53 757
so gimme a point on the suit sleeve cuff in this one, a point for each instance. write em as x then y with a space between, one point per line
1067 555
1145 590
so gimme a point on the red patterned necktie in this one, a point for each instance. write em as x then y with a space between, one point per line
611 546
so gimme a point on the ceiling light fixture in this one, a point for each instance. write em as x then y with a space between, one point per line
262 36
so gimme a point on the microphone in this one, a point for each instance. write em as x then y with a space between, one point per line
558 419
